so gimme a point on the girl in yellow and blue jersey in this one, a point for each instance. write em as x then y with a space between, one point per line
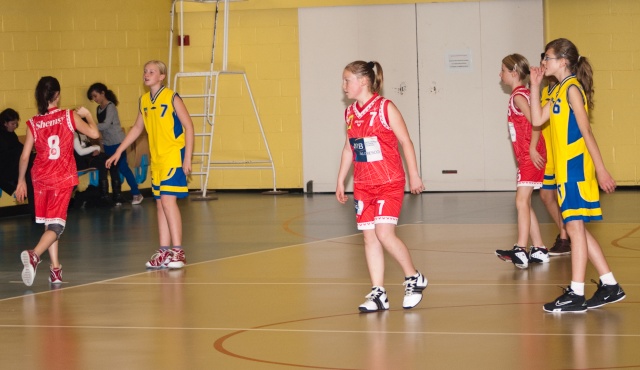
579 169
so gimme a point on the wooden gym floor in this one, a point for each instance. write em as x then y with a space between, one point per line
273 282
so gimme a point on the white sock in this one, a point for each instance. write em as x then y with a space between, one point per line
608 279
578 288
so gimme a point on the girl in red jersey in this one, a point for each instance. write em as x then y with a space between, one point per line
54 171
374 129
530 151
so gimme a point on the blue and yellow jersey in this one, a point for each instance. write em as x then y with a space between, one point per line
166 134
573 162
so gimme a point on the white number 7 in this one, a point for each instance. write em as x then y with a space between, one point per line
381 203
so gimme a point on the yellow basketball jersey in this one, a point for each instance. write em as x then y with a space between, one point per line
546 129
166 134
572 160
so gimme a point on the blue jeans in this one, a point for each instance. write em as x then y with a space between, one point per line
123 167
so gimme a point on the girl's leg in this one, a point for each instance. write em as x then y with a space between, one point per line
53 255
375 257
173 219
579 249
523 205
47 240
123 166
596 256
124 169
163 226
386 235
536 236
550 201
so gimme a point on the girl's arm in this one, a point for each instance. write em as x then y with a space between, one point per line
21 189
346 160
133 134
523 106
77 146
539 114
606 182
400 130
185 119
88 128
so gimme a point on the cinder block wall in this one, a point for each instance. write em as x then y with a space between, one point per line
608 33
79 42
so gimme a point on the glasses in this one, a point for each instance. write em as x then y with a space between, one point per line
546 58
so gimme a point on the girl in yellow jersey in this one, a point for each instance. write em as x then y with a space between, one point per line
579 169
167 122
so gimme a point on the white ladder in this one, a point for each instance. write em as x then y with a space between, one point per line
209 100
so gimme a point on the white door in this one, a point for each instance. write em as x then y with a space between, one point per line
332 37
465 144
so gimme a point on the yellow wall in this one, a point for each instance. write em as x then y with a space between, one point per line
607 32
78 42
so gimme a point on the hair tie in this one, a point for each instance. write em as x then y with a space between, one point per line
370 65
515 68
579 56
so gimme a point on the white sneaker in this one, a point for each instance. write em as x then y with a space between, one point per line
137 199
538 255
413 287
376 300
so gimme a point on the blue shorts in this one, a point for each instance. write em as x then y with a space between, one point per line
580 201
170 181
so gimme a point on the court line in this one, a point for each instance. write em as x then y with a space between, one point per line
317 331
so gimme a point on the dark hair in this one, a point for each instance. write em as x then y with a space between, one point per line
366 69
8 115
99 87
46 91
517 63
577 64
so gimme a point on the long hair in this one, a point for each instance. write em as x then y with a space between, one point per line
577 64
99 87
517 63
46 91
372 71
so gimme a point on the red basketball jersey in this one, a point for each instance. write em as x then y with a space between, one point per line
375 147
54 166
520 128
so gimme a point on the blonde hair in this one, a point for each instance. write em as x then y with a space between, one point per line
162 68
366 69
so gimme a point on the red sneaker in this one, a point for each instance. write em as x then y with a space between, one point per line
55 275
159 259
177 259
30 260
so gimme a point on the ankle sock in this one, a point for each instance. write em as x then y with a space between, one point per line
578 288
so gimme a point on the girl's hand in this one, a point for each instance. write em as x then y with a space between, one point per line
21 191
416 185
536 75
606 182
113 159
340 196
537 159
186 166
82 112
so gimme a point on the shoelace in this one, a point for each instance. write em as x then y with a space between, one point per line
409 285
376 293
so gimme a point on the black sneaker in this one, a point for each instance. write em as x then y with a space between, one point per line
605 294
517 255
567 302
